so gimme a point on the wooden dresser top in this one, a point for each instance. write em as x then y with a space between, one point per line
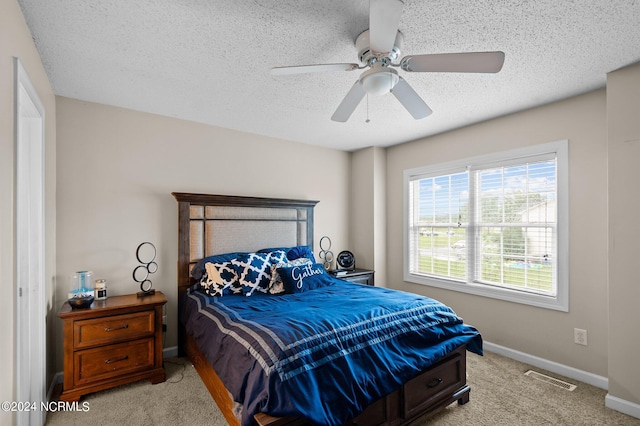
112 304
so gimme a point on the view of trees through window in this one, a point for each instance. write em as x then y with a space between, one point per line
505 238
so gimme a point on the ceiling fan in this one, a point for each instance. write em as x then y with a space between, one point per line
379 48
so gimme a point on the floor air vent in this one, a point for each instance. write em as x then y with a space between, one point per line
551 380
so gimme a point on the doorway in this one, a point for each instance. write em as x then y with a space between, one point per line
30 289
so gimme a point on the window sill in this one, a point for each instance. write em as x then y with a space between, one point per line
558 303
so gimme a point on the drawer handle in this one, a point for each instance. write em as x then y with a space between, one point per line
116 328
435 382
111 361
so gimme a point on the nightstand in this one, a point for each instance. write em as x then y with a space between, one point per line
361 276
115 341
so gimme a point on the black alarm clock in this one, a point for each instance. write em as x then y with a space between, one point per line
346 260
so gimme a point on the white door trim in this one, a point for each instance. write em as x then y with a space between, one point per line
30 324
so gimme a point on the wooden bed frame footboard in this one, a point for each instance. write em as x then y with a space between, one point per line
204 223
434 389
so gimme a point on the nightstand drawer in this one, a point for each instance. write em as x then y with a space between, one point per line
360 276
100 331
111 361
360 279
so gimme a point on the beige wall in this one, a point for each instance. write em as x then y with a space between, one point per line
15 41
367 228
117 169
380 222
540 332
623 112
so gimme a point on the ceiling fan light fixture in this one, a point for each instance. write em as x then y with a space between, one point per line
379 80
379 50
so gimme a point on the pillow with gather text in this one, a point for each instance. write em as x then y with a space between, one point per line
276 286
220 279
301 278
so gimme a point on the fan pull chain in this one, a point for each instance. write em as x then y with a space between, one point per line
367 120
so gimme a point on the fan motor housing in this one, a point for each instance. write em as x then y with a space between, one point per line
366 55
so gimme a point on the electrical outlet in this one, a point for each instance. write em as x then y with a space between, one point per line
580 336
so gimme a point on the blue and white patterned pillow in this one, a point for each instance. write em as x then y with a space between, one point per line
220 279
276 286
254 270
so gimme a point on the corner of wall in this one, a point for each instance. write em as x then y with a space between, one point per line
368 210
623 144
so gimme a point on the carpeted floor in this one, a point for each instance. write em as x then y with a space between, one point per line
500 395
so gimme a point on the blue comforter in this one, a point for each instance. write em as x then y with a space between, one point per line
324 354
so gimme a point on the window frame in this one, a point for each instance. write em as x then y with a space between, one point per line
558 302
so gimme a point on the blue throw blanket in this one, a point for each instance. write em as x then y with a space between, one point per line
324 354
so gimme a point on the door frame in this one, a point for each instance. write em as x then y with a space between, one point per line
30 324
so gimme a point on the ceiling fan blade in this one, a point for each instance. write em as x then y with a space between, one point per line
303 69
490 62
349 103
384 17
410 100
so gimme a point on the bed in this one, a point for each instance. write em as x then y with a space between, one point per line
378 366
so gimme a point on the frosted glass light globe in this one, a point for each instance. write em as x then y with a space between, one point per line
379 81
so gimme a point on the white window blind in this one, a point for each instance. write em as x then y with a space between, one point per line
493 225
515 226
439 224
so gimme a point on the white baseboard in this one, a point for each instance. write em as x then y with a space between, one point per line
554 367
170 351
618 404
57 378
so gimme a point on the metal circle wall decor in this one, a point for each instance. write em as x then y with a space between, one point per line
325 252
146 255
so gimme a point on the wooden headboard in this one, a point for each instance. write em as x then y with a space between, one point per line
214 224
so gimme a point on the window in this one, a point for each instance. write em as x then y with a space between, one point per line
494 225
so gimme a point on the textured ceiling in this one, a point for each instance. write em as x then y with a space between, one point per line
208 60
